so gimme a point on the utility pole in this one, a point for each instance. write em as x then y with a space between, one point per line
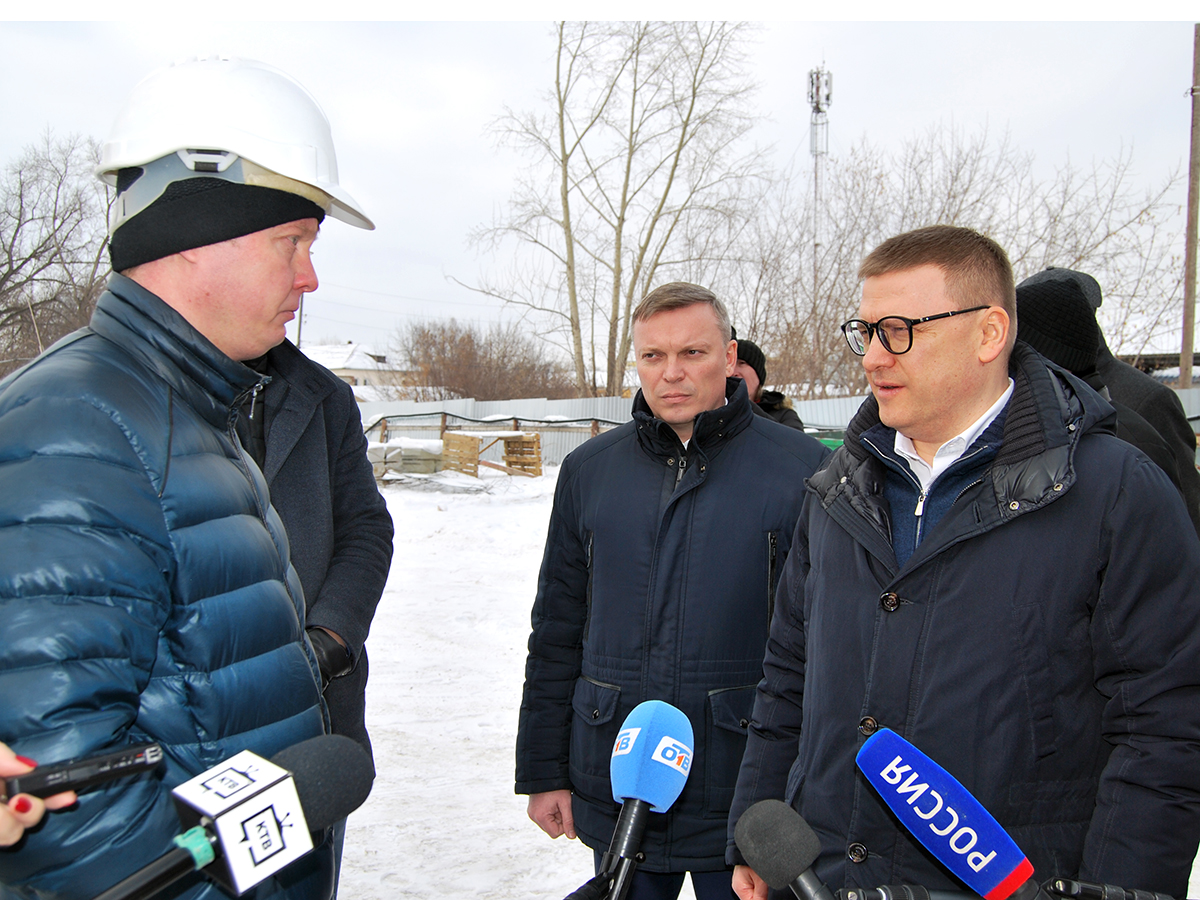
1189 253
820 97
299 321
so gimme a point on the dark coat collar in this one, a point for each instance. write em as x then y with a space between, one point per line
711 430
298 388
1048 412
1045 401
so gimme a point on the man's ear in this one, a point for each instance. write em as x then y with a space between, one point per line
730 358
994 334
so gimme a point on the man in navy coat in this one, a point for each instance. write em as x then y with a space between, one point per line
986 569
665 544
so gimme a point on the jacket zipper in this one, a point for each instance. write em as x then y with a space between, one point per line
919 512
772 551
603 684
923 495
680 470
587 616
237 443
967 488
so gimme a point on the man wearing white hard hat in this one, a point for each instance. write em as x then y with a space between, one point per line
147 592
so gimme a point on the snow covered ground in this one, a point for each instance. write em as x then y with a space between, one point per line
447 664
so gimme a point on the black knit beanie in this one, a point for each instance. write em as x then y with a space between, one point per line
1087 285
1056 319
196 212
749 353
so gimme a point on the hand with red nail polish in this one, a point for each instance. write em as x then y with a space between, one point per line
23 811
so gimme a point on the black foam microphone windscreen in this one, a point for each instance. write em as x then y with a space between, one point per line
333 776
776 842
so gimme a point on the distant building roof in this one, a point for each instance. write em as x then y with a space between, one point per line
345 356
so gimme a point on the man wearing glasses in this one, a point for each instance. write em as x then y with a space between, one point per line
984 568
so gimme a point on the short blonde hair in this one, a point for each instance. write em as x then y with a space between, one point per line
977 268
678 294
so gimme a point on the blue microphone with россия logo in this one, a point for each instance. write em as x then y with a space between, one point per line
941 814
956 828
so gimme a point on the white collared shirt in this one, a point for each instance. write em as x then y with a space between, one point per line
949 452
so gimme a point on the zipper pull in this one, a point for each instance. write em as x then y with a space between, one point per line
921 503
254 397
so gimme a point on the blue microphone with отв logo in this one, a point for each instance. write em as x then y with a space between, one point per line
651 760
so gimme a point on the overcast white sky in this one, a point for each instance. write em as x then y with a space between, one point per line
410 101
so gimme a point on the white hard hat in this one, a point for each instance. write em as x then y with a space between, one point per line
209 111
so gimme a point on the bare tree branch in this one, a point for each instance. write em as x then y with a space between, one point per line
643 149
53 242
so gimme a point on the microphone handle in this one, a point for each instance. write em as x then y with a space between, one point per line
1086 890
149 880
807 886
902 892
621 859
631 826
622 879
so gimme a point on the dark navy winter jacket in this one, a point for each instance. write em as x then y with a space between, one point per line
145 591
1042 643
656 583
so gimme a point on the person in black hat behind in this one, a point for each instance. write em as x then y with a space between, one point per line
752 368
1056 320
1153 401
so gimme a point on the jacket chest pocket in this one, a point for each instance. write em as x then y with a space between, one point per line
773 568
588 551
725 743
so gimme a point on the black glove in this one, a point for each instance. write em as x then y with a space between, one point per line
332 658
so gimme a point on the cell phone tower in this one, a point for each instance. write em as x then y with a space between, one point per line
820 97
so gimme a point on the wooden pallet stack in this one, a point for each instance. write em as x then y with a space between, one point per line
460 453
522 452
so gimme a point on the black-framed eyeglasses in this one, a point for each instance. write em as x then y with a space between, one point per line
894 331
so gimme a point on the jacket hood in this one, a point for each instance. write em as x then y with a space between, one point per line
775 400
710 431
1050 409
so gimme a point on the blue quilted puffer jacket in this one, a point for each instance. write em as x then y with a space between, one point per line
145 591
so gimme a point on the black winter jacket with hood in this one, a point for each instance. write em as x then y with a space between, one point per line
656 584
1042 643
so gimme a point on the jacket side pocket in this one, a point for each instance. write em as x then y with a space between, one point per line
725 742
593 732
